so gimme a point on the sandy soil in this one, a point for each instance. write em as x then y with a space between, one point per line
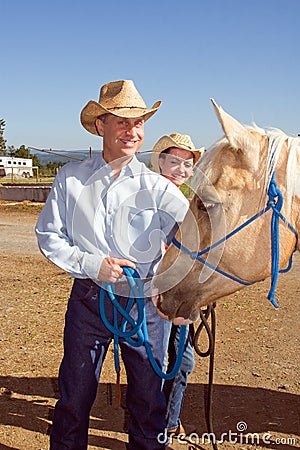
256 377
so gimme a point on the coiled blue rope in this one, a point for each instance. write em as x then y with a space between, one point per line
130 327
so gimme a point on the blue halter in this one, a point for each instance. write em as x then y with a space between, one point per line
137 328
275 203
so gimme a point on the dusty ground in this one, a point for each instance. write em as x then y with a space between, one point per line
256 378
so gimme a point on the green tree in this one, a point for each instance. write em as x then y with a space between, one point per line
36 162
52 167
22 152
11 150
2 140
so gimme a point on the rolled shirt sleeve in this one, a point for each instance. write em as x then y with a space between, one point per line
54 231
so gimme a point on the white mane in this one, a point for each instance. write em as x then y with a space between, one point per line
276 140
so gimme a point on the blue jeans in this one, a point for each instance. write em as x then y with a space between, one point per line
174 389
86 341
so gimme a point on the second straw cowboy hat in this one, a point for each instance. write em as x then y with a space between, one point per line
120 98
174 140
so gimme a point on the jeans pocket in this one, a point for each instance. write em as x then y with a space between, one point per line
83 290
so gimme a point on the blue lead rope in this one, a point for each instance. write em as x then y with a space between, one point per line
134 331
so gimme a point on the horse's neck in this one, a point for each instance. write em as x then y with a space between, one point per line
288 182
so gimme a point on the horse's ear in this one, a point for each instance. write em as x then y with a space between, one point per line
238 135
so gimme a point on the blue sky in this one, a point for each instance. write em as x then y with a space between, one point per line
56 55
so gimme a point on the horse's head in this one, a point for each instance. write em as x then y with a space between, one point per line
230 185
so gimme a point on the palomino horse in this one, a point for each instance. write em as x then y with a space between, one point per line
223 243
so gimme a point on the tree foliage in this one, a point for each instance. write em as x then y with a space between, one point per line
21 152
2 140
53 167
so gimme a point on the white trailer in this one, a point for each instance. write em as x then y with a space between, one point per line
15 166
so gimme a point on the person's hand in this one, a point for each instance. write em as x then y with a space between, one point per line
181 321
111 270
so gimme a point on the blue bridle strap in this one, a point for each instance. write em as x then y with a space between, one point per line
275 203
274 193
137 334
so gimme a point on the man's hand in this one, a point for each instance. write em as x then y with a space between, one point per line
181 321
111 270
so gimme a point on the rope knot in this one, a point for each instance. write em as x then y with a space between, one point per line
275 195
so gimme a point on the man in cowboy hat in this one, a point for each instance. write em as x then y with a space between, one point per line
174 157
102 214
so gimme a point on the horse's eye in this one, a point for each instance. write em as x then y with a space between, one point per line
200 205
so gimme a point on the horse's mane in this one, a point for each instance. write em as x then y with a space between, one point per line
277 138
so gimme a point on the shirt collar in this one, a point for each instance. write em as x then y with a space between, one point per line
130 169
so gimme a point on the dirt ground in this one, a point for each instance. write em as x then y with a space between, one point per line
256 377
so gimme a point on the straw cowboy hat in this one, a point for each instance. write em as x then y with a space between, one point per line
120 98
174 140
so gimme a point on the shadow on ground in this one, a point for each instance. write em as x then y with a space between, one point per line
27 403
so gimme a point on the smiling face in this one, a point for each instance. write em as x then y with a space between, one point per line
121 136
176 165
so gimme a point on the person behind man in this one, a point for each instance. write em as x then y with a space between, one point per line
102 214
174 157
